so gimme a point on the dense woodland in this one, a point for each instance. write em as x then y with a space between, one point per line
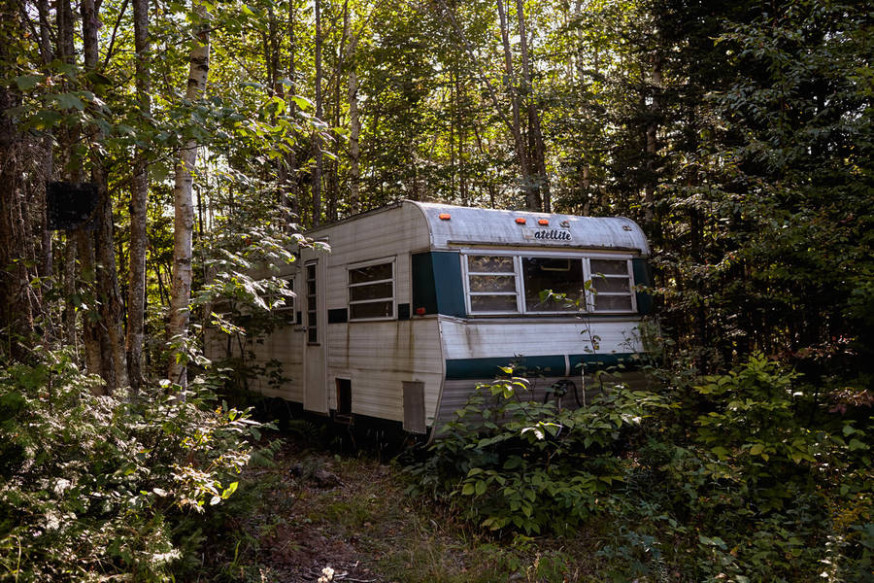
738 134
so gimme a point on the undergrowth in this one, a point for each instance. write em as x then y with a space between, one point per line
740 477
100 488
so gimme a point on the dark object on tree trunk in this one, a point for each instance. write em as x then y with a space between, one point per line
70 205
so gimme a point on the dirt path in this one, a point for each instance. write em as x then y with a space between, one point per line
314 516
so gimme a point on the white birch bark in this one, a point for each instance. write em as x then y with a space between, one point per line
183 223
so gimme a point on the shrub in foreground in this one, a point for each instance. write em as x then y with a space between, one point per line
92 487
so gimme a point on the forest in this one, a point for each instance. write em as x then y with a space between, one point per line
153 151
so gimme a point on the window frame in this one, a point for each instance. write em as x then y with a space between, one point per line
289 301
468 294
391 261
519 278
311 317
592 295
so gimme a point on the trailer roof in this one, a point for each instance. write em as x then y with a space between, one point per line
451 226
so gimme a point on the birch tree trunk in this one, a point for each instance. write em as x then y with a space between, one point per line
138 205
354 135
289 175
183 223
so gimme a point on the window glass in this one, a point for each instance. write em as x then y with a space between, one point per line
493 303
610 284
371 291
370 310
612 303
489 264
493 283
546 277
609 266
374 291
370 273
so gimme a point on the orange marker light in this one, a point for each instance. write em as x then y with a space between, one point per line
520 221
444 216
543 222
420 311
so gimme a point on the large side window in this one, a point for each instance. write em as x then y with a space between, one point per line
553 284
510 284
611 282
371 292
491 281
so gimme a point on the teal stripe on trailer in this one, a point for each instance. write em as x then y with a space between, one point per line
552 365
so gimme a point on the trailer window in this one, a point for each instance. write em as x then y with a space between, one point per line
311 297
553 285
492 284
371 292
511 284
287 304
611 282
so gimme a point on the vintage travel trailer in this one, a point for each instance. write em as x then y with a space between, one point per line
416 303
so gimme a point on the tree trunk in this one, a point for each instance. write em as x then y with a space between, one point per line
317 138
109 335
183 223
138 205
289 175
652 144
535 200
516 127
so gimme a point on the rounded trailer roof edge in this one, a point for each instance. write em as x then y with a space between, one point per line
450 224
506 228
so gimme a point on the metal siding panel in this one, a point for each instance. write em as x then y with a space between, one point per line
450 287
483 338
380 356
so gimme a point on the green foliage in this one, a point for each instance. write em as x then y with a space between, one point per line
739 477
511 463
93 488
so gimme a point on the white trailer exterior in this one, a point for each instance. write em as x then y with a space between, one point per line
416 303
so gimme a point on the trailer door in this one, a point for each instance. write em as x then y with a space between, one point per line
315 393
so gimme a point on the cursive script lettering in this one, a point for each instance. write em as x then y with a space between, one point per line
553 235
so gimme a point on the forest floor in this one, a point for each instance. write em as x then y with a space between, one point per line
314 515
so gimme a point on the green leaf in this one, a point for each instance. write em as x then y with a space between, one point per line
28 82
856 444
230 490
480 488
69 101
302 102
45 119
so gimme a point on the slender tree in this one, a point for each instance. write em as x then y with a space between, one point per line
138 206
317 137
183 223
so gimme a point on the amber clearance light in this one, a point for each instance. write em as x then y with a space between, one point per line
543 222
444 216
520 221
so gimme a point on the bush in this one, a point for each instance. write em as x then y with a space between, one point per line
515 464
91 488
745 476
